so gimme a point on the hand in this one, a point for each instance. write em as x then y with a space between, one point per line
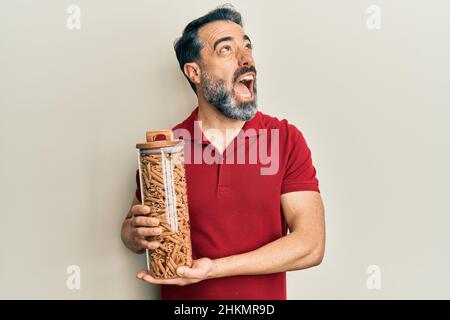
201 270
143 227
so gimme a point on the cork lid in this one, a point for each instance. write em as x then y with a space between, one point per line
152 143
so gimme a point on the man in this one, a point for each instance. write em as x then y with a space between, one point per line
239 213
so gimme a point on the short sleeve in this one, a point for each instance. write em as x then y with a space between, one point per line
300 173
138 186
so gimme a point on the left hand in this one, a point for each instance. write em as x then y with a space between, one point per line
201 270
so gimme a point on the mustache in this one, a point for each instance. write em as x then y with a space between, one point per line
243 70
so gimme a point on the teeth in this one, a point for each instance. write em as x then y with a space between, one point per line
247 78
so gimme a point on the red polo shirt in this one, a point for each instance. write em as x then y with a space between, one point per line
234 207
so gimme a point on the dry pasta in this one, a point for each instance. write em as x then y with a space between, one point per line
175 243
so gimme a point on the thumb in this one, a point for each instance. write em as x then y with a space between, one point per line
187 272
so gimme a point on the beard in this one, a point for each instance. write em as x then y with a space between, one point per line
216 93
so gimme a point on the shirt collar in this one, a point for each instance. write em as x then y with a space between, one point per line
195 132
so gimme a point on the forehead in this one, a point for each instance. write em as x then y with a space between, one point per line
215 30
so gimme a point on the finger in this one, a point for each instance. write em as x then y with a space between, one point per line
147 232
145 276
140 275
144 222
140 210
152 245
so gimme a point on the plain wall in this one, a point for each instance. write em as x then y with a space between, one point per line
372 104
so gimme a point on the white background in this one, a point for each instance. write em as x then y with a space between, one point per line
372 104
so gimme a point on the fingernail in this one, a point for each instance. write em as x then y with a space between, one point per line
181 271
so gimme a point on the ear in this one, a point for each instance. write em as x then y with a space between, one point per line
192 71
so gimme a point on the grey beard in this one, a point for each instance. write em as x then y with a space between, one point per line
216 93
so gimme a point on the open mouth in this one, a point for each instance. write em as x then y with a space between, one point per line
244 86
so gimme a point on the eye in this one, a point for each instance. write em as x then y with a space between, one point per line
249 46
225 49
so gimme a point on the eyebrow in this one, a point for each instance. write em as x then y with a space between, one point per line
245 37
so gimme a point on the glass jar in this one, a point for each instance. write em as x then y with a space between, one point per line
163 189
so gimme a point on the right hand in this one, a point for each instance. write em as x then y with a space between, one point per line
143 227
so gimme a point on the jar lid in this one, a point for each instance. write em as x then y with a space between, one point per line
152 143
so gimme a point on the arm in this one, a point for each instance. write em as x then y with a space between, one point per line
302 248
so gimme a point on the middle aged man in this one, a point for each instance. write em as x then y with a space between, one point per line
239 213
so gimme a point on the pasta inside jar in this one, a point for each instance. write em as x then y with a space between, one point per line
163 189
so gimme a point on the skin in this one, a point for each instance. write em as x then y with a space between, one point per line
222 62
302 248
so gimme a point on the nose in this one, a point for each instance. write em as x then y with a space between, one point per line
245 58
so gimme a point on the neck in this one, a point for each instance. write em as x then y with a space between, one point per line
223 129
211 118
